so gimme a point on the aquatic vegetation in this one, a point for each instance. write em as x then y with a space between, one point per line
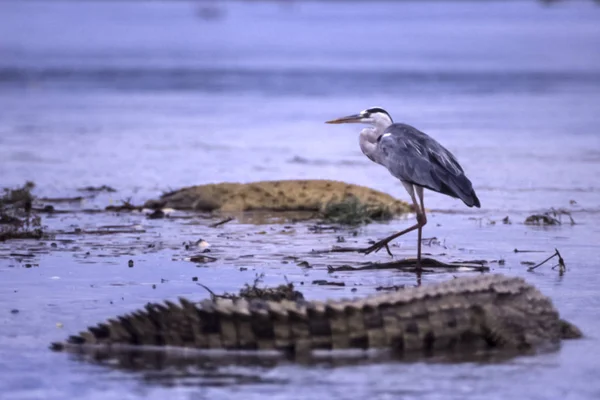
17 219
250 292
550 217
351 211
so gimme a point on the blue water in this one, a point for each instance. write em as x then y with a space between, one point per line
151 96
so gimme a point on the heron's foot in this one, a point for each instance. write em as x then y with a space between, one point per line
378 246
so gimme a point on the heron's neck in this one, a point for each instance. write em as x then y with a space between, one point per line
368 140
368 137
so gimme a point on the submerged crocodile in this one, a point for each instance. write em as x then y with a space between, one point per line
459 315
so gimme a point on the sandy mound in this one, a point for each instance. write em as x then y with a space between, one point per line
288 195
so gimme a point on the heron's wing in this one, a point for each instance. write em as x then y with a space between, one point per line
413 156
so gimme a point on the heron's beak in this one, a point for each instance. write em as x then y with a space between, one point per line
350 119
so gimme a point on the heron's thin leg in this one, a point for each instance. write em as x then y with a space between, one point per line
421 220
384 242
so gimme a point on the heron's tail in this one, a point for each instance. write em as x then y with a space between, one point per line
475 200
460 187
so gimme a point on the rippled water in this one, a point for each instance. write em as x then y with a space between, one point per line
146 97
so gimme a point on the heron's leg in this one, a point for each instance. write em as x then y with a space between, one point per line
421 220
384 242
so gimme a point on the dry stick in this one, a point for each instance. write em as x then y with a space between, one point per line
226 220
20 235
212 294
323 282
62 199
338 249
528 251
560 212
408 265
561 262
103 232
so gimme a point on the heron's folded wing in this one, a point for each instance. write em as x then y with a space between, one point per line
413 156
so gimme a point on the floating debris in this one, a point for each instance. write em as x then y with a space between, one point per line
77 199
527 251
561 263
248 292
433 241
79 231
541 219
304 264
97 189
18 198
200 258
410 265
226 220
324 282
125 205
200 243
17 218
551 217
319 228
156 214
393 288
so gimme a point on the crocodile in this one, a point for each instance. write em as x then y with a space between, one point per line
459 315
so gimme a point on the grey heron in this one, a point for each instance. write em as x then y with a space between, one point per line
416 159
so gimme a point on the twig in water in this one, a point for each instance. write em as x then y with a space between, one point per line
323 282
393 288
527 251
562 267
339 249
562 211
432 240
409 265
103 232
226 220
561 262
212 294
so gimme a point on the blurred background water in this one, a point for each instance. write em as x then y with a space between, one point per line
150 96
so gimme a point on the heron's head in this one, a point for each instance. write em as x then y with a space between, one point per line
372 116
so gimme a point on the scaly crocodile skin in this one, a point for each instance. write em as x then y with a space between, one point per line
470 313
